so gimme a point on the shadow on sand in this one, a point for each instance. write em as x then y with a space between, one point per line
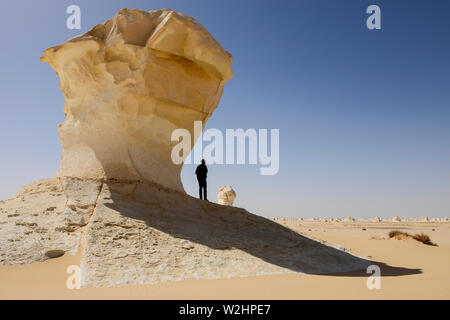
223 228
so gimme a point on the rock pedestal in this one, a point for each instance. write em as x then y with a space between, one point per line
128 83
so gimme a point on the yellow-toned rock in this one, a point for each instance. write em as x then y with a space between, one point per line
128 83
226 196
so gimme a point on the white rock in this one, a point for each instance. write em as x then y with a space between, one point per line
226 196
54 253
396 219
128 84
179 236
38 220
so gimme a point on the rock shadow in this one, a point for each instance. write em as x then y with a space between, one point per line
224 228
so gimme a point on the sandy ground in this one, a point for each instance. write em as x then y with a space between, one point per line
409 270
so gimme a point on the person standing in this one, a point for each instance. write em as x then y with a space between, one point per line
201 173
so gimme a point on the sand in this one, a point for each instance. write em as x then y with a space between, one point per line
409 270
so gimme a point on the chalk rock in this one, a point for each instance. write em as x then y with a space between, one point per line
349 219
44 219
54 253
164 235
226 196
128 84
376 219
396 219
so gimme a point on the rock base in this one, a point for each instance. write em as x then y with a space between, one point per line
134 232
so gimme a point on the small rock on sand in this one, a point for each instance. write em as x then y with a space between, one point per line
54 253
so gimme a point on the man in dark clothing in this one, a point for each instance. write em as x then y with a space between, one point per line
201 173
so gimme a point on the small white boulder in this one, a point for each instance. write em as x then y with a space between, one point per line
226 196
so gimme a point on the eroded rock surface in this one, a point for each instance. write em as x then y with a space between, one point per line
142 232
128 84
226 196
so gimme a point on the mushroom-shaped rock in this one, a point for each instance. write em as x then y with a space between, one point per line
128 84
226 196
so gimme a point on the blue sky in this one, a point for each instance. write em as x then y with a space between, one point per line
364 115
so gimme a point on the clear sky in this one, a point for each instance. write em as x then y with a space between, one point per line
364 115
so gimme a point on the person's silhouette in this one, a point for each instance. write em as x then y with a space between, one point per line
201 173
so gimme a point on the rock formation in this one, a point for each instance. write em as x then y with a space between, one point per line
226 196
45 216
128 83
396 219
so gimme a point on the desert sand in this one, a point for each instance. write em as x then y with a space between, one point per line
409 270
